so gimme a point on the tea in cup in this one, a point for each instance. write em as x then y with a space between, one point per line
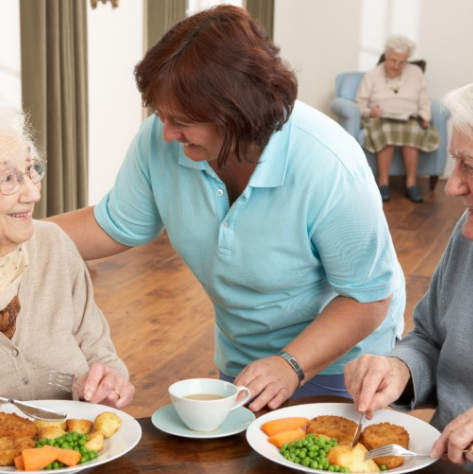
204 404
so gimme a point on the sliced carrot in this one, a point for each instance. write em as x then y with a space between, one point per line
69 457
36 459
19 463
286 437
283 424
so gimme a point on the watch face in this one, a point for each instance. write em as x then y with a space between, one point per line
295 366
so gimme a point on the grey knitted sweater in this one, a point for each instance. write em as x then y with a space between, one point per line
439 350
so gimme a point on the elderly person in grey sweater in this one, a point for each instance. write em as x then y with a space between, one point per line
433 365
48 317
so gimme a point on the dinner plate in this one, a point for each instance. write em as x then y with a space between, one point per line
421 434
166 419
124 440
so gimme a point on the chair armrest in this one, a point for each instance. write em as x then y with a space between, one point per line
439 120
348 115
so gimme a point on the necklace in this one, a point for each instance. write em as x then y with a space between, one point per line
394 84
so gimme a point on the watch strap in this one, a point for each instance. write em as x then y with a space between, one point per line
294 365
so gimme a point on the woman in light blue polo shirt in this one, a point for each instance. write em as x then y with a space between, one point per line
269 202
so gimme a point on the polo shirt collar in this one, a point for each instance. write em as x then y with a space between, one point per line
272 166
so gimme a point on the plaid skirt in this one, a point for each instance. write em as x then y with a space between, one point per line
380 132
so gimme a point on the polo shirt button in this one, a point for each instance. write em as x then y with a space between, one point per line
219 192
225 224
14 352
24 381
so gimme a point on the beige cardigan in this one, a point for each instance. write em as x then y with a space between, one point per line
59 326
411 98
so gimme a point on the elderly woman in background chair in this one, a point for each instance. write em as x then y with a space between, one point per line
48 317
396 111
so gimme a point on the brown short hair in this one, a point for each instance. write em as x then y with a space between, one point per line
219 66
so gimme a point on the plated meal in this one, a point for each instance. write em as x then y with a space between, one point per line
91 435
317 438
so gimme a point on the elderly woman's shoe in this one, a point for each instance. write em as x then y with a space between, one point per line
384 191
413 193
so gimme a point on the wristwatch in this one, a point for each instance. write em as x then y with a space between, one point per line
294 365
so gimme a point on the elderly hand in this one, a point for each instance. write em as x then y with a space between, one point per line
102 384
424 123
375 381
376 111
271 381
457 436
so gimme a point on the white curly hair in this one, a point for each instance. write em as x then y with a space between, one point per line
459 102
400 44
14 123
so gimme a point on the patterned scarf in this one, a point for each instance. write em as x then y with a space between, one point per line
12 267
8 317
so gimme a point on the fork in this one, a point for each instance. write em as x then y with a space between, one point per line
64 381
391 450
396 450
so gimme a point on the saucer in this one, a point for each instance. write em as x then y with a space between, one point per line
166 419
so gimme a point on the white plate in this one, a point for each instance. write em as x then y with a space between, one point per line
421 434
166 419
124 440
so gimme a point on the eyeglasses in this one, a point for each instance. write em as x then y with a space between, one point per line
10 183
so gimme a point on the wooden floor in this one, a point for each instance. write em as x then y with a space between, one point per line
162 322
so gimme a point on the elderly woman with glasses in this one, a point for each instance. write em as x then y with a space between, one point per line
48 317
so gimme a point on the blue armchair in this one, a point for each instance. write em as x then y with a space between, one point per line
348 116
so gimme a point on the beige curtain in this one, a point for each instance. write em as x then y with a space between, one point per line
54 89
160 15
263 10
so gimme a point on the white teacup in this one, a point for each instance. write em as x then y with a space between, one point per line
204 404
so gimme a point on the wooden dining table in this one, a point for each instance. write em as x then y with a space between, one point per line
159 452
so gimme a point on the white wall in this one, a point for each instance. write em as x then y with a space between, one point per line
115 45
321 38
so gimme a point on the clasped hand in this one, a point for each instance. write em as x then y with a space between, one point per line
102 384
271 382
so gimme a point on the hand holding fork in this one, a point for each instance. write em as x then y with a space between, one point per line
101 384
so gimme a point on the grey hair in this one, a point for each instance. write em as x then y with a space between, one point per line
15 123
400 44
459 102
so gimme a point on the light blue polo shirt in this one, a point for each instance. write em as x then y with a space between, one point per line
308 227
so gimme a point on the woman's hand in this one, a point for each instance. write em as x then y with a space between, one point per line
376 111
375 381
102 384
424 123
457 436
271 382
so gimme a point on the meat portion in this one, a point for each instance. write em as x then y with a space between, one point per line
14 425
11 447
331 426
381 434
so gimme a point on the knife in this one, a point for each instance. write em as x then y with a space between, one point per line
357 435
36 412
